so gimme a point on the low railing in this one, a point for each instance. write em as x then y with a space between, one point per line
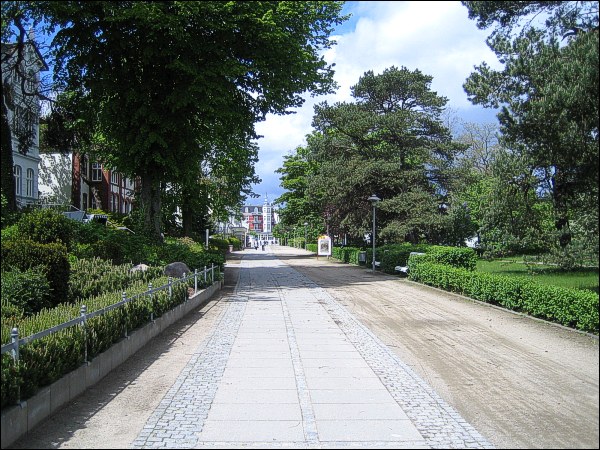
17 342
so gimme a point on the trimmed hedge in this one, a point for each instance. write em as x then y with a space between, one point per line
569 307
460 257
46 360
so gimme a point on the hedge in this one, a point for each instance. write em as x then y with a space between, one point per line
46 360
569 307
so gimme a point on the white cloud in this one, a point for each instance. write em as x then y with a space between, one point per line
436 38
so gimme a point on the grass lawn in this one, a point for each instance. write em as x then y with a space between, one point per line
578 279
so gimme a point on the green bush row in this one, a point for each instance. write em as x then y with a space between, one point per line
569 307
46 360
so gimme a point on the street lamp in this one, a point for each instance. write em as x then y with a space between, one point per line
305 233
374 199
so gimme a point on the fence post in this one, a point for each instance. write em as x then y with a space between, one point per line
204 274
83 312
170 288
14 338
123 298
151 303
195 280
212 273
185 294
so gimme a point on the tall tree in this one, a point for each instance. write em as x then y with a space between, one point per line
548 94
152 78
392 142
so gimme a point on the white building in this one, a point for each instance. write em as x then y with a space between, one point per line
23 116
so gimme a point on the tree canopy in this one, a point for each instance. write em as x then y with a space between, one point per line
548 95
153 84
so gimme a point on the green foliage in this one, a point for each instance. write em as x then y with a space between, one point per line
569 307
46 226
238 62
51 259
547 91
390 141
460 257
237 244
25 291
45 360
92 277
11 380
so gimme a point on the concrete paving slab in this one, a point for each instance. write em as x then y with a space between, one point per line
252 430
359 411
254 411
243 362
368 430
258 383
259 372
333 363
350 396
259 396
338 372
345 383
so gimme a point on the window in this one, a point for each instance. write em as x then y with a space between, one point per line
23 120
94 205
114 177
18 175
29 181
96 172
84 201
115 203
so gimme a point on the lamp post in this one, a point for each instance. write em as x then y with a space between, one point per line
305 233
374 200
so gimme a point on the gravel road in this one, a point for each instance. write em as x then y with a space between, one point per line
522 383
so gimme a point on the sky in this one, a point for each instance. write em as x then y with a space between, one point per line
435 37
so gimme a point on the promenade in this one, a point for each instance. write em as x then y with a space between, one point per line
286 366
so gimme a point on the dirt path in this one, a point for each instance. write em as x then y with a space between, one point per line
520 382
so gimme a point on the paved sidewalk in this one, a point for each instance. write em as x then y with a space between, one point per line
288 367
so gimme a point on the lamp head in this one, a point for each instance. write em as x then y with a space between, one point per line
374 199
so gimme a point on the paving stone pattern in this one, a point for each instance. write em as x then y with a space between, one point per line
288 367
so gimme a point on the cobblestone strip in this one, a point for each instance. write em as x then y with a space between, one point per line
180 415
438 422
308 415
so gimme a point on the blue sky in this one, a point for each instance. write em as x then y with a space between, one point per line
435 37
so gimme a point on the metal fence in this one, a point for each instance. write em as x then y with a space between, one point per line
17 342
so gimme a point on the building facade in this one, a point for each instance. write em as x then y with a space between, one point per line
260 221
97 187
23 116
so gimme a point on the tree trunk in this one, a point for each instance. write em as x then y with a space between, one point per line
561 210
187 216
150 199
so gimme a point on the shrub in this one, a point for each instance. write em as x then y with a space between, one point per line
51 258
569 307
92 277
464 257
47 226
28 291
